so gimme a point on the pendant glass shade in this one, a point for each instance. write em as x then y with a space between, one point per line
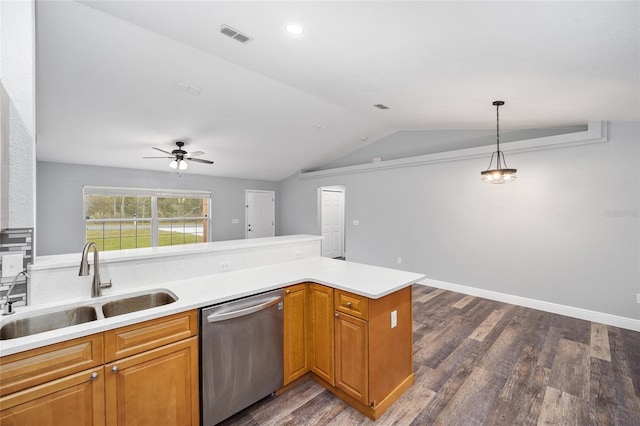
499 176
501 173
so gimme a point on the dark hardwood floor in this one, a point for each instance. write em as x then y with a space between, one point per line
481 362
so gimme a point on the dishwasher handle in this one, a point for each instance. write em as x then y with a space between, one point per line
245 311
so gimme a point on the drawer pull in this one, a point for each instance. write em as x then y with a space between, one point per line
337 314
94 376
115 369
349 304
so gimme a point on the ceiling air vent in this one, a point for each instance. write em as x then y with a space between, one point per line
381 106
234 34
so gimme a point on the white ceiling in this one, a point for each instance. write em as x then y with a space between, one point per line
279 103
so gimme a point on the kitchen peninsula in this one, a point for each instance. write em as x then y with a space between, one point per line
341 300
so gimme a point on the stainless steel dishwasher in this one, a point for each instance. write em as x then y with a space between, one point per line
241 354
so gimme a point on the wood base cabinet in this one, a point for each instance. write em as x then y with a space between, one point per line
352 356
322 353
374 349
296 354
151 378
154 388
77 399
360 349
57 384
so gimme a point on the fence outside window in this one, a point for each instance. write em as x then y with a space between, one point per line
126 218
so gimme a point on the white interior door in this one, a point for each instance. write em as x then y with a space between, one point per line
260 216
332 221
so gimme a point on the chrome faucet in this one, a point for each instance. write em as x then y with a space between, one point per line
96 285
8 304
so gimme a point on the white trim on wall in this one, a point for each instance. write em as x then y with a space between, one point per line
570 311
596 132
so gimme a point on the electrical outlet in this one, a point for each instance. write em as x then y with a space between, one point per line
11 264
224 266
356 222
394 319
298 254
638 298
399 260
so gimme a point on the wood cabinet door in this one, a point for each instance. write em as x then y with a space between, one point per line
157 387
296 359
321 330
38 366
77 399
352 356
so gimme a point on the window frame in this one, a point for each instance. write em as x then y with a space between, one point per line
154 220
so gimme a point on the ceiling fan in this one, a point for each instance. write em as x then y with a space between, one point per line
180 157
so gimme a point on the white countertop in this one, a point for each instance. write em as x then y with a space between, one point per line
370 281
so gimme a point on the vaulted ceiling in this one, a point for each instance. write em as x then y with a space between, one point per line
117 78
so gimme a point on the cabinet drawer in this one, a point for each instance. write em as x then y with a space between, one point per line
38 366
351 304
137 338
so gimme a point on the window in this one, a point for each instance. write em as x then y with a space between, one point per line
124 218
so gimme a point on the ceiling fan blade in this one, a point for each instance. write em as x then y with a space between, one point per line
195 154
161 150
157 157
200 160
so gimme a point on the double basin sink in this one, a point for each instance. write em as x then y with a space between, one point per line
126 304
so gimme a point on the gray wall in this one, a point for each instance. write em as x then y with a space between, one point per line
413 143
566 231
59 220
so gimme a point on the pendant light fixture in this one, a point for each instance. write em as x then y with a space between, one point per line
501 173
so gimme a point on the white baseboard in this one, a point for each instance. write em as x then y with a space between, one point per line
570 311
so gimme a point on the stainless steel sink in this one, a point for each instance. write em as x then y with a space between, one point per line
46 322
137 303
65 317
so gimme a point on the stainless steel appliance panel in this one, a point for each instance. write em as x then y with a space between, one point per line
241 354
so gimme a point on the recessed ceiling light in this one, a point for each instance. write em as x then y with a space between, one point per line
294 29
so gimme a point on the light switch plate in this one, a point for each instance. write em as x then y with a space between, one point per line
11 264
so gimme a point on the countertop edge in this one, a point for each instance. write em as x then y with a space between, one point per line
192 294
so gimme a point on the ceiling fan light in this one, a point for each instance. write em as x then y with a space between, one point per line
173 164
182 165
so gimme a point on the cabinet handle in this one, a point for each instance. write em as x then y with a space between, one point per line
288 291
348 304
115 369
337 314
94 376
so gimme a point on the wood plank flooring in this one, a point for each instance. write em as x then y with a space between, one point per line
481 362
